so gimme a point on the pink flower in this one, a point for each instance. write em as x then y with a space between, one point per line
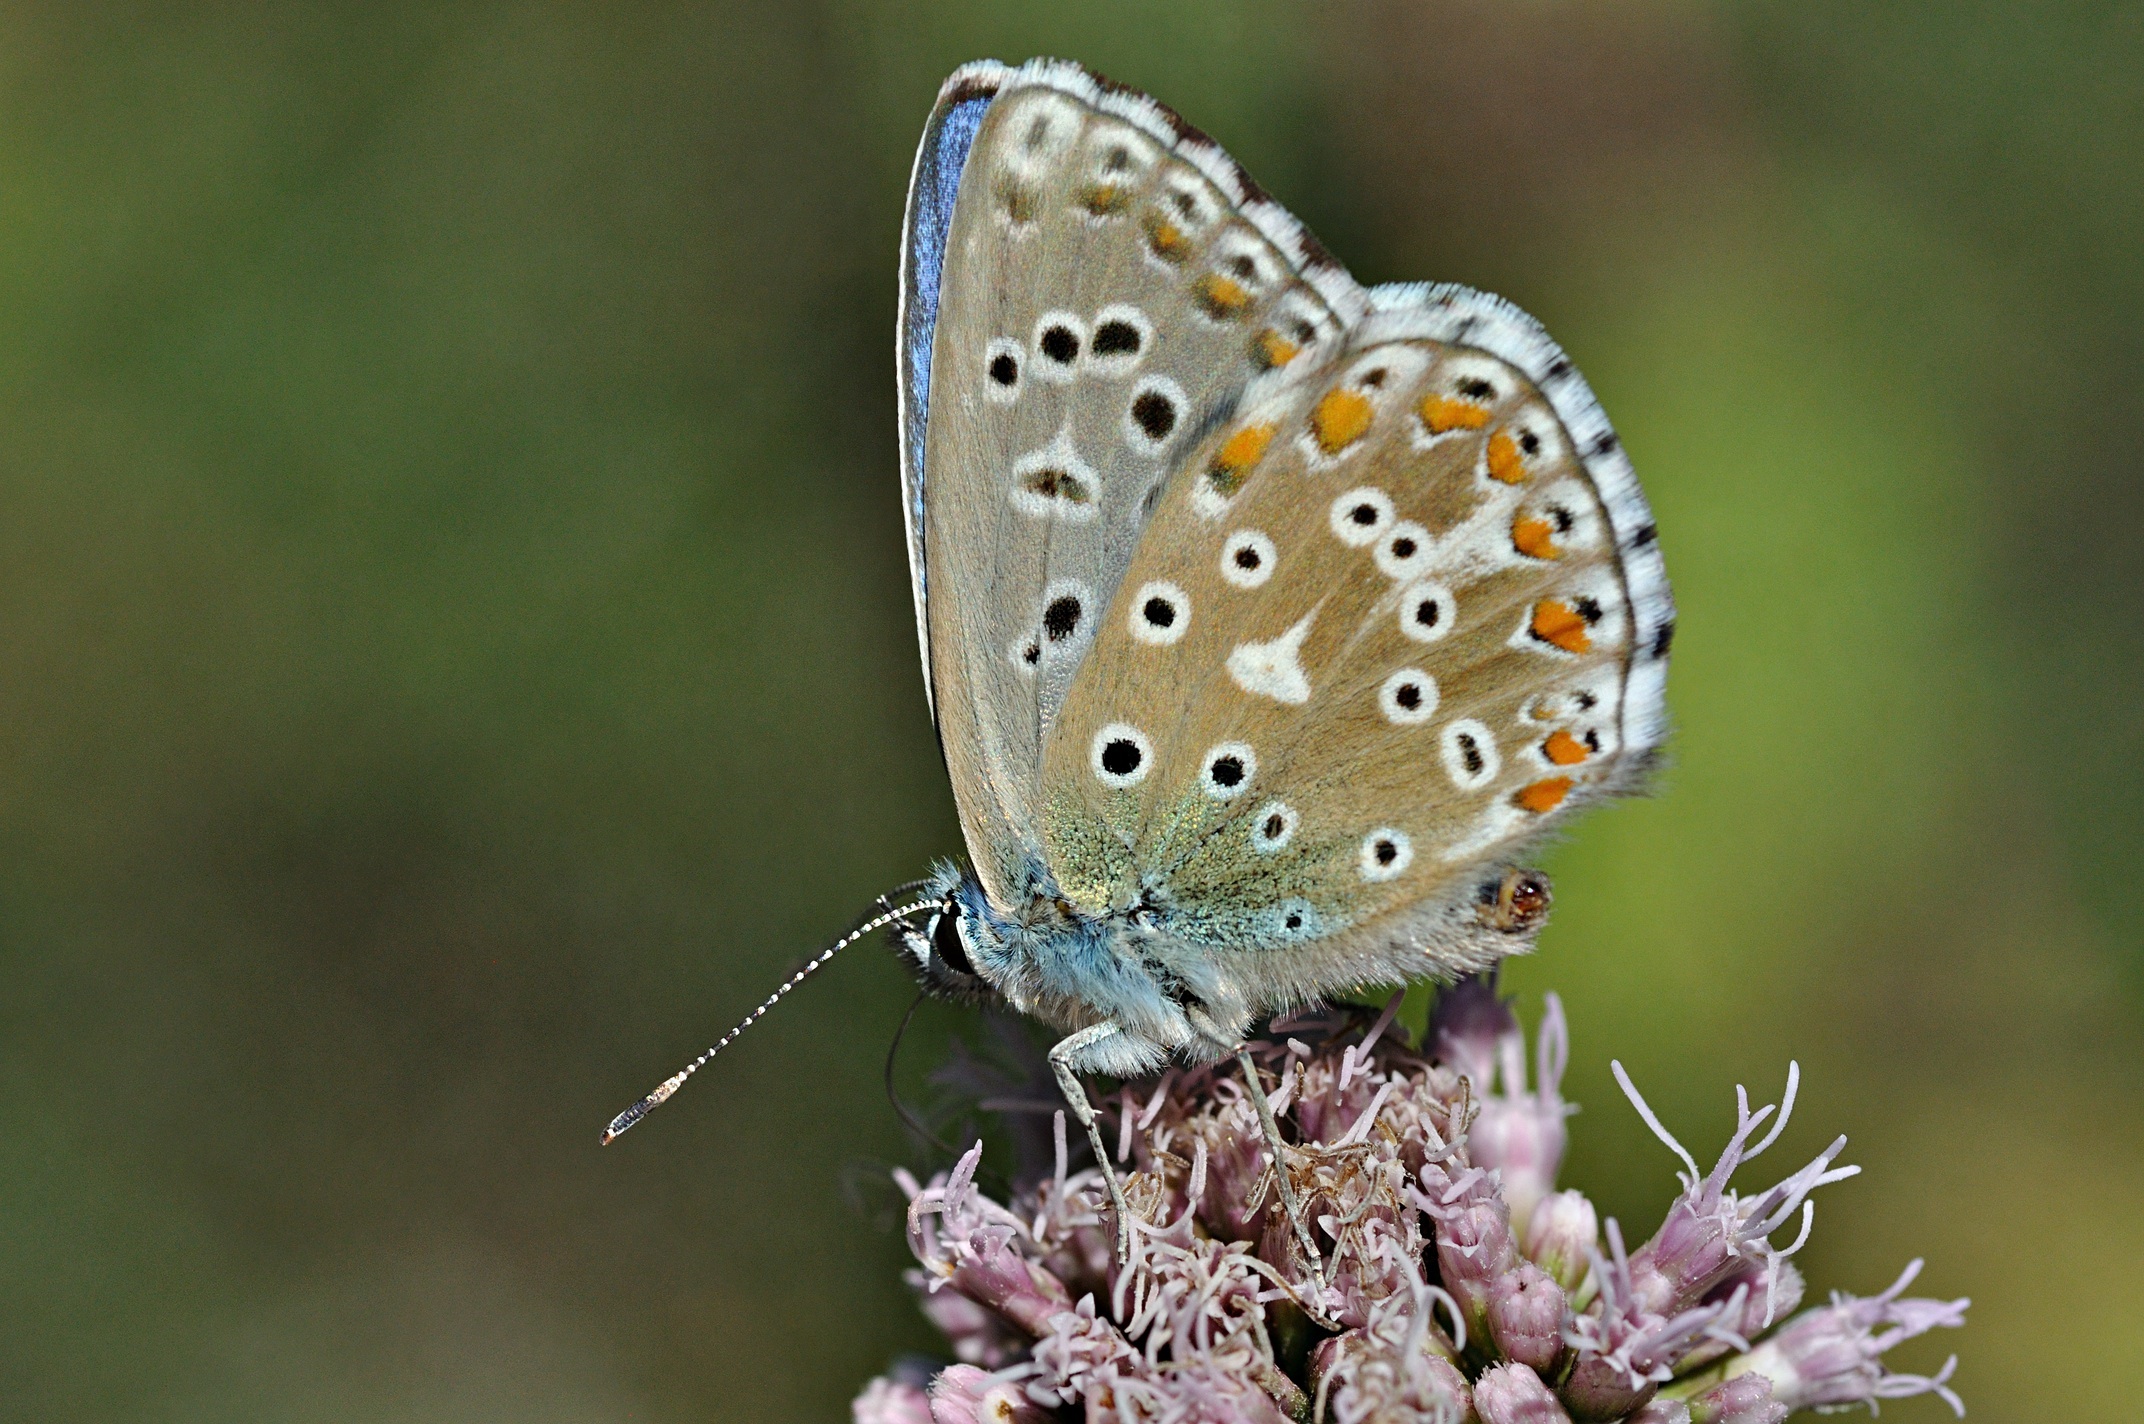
1450 1303
1832 1356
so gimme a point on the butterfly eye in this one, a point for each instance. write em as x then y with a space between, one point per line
1273 827
1229 768
1247 558
1161 614
1120 755
1427 612
1385 854
1408 697
1361 516
949 945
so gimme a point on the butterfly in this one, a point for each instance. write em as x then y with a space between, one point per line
1266 620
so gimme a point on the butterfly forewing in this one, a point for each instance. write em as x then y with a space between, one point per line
1406 639
1105 297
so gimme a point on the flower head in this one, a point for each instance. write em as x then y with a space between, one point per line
1443 1300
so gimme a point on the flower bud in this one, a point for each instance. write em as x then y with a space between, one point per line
1519 1133
963 1394
886 1401
1526 1313
1743 1400
1600 1387
991 1273
1521 1137
1661 1411
1562 1237
1465 1028
1474 1249
978 1336
1514 1394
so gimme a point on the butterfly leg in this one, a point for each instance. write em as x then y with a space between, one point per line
1290 1201
1076 1099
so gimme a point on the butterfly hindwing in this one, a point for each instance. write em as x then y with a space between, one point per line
1091 289
1420 618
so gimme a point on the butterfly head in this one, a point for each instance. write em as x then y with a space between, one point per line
950 947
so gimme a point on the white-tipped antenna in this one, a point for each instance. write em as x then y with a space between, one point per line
670 1085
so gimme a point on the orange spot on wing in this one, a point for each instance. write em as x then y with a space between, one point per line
1166 238
1564 749
1504 461
1535 538
1221 296
1560 624
1104 198
1339 419
1541 797
1274 349
1441 414
1237 454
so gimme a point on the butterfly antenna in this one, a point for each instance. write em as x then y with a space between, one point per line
670 1085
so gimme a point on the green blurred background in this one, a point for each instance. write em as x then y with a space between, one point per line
455 654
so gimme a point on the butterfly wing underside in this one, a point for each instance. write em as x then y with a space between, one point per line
1417 616
1090 288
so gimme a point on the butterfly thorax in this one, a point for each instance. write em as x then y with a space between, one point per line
1054 961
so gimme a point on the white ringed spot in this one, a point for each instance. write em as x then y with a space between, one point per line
1065 623
1060 341
1409 697
1120 755
1043 128
1427 611
1122 338
1055 483
1247 558
1470 757
1361 516
1160 613
1155 414
1002 361
1273 827
1404 552
1227 770
1386 853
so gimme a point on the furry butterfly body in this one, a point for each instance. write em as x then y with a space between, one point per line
1267 620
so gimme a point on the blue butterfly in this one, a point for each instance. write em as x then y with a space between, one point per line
1267 620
